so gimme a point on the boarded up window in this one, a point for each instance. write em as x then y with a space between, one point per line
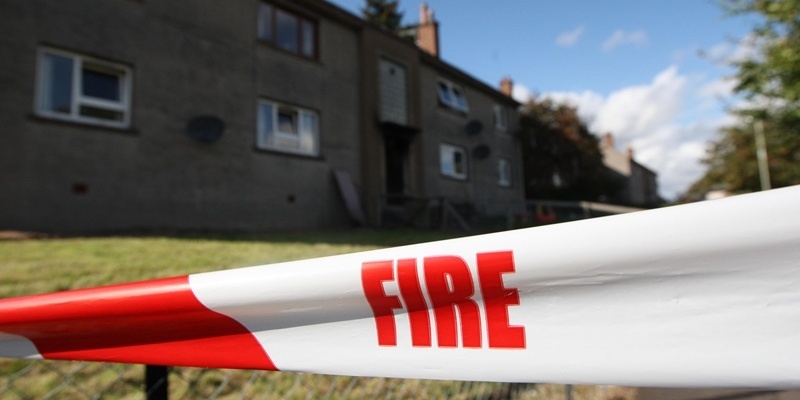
394 106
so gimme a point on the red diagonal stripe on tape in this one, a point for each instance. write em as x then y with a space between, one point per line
152 322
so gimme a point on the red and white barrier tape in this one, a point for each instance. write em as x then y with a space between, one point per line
701 295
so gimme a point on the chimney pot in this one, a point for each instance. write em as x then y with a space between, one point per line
507 86
608 140
428 31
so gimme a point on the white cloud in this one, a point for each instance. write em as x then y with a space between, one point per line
726 53
569 38
658 121
620 37
717 89
521 93
588 103
639 109
747 48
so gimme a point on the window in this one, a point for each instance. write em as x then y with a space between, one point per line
500 118
287 129
451 95
78 88
453 161
287 31
393 100
503 172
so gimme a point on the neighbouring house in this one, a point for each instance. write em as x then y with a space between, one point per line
638 183
163 114
563 160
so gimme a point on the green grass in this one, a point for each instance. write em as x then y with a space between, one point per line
54 264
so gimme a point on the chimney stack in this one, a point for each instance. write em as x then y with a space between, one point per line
608 140
428 31
507 86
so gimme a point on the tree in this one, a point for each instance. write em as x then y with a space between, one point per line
562 159
384 13
732 163
771 76
770 80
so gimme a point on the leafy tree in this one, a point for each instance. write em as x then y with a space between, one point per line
384 13
732 163
562 159
770 79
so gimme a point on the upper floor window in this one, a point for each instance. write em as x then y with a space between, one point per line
287 129
500 118
287 30
451 95
83 89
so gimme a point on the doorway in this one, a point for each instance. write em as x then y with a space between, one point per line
397 167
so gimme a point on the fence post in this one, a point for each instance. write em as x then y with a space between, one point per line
156 382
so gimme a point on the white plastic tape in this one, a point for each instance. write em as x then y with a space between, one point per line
701 295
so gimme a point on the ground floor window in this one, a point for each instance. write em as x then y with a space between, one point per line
287 129
453 161
83 89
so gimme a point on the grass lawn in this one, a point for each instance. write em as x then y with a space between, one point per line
54 264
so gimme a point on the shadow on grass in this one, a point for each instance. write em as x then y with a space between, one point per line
353 236
359 237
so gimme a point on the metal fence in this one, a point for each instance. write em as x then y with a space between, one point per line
40 379
78 380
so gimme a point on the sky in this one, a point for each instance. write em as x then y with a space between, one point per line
651 72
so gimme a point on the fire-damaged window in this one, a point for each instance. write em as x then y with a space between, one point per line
393 102
287 129
453 161
83 89
287 30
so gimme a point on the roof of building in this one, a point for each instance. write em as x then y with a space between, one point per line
345 17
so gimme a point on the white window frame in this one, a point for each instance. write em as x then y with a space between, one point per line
500 118
449 164
504 174
77 98
302 140
452 95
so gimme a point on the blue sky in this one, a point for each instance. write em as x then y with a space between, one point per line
632 67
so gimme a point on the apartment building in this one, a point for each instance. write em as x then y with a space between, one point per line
197 115
638 183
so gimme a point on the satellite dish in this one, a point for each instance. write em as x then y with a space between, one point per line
205 128
481 152
474 127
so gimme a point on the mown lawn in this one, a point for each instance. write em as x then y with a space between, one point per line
31 266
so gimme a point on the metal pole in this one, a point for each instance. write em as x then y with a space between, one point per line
156 382
761 153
